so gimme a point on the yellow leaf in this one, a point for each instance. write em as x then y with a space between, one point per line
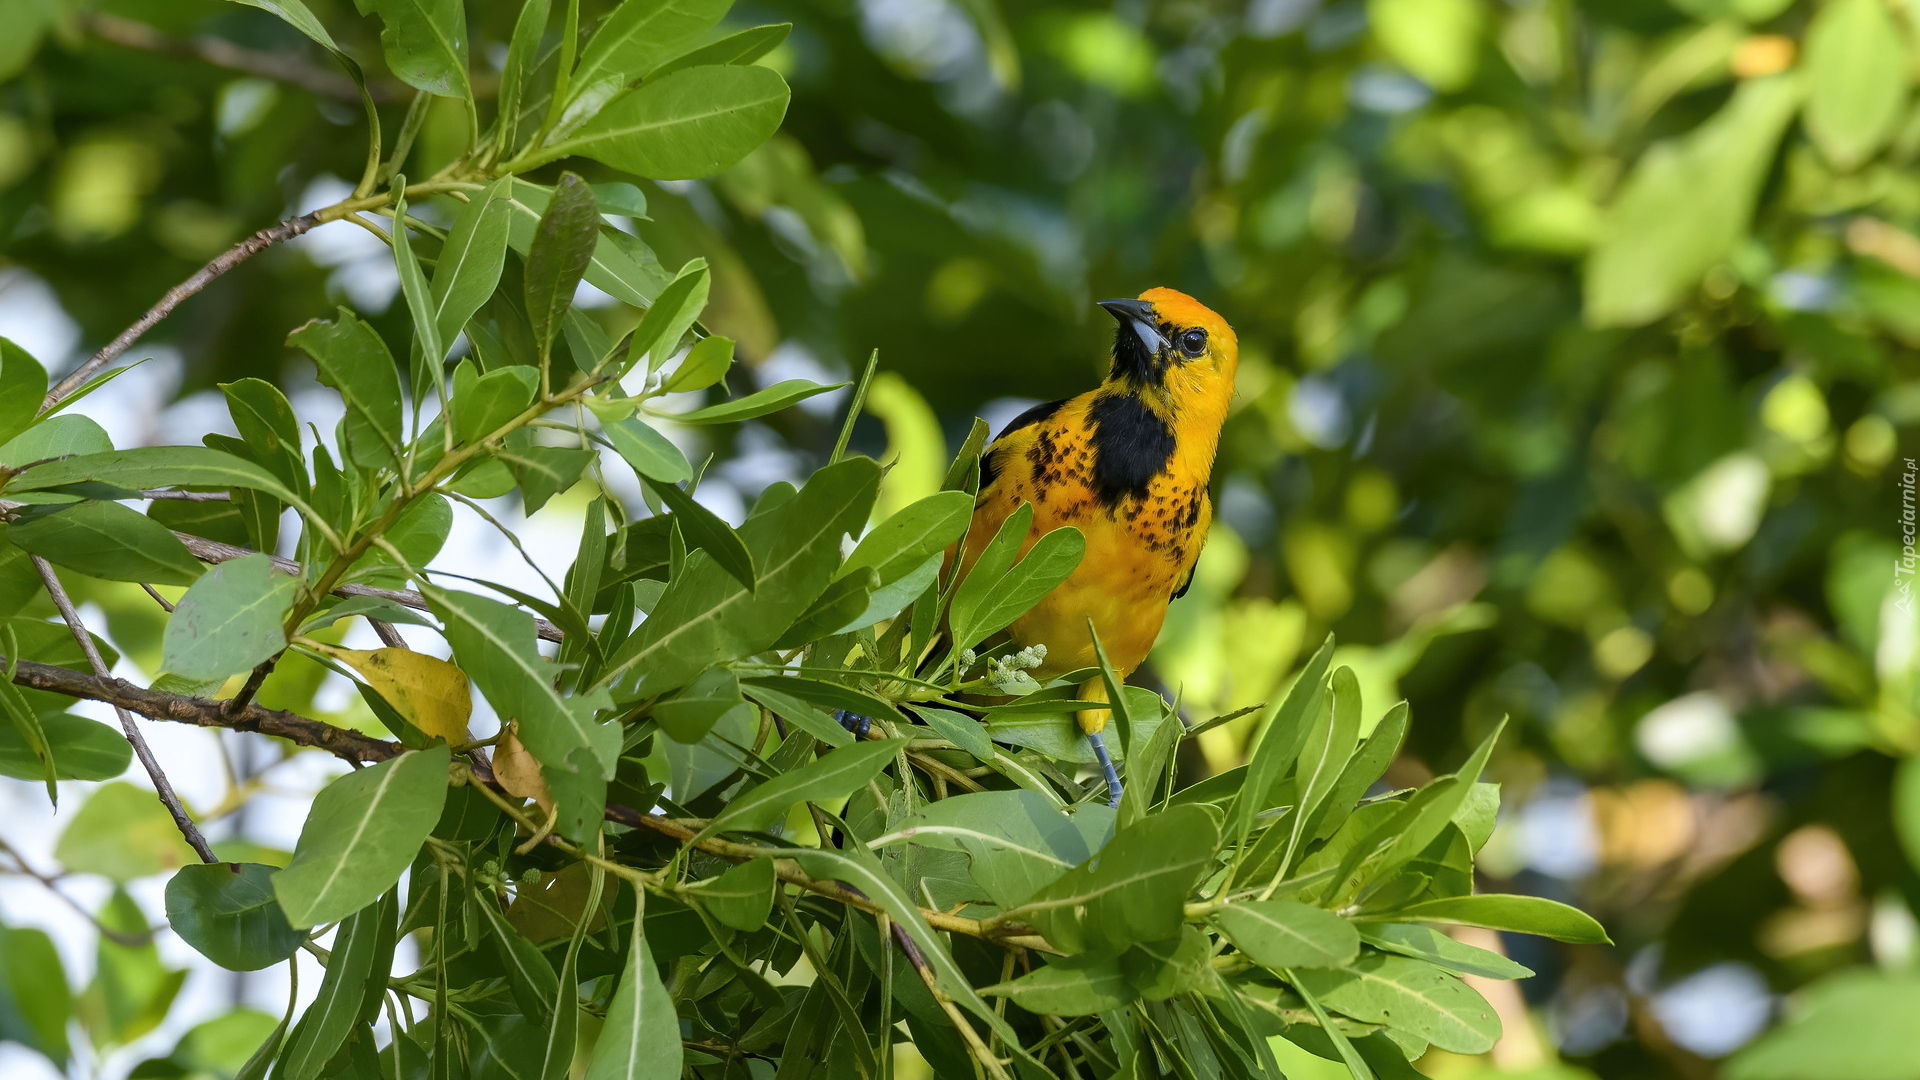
432 694
518 772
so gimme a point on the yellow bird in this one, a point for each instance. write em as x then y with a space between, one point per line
1127 464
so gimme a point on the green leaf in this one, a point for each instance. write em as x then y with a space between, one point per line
1158 970
762 403
541 472
1366 767
742 48
1686 205
266 421
1424 943
33 989
529 973
706 617
631 42
495 644
1135 890
429 348
706 363
630 1046
620 265
1478 814
229 620
483 403
1422 822
227 911
961 730
913 534
800 713
985 605
25 724
1856 64
523 56
52 437
687 125
1522 914
669 317
1047 723
297 15
1280 742
562 245
109 541
833 775
1017 842
690 713
153 467
703 530
1284 934
833 695
355 979
1069 986
354 360
23 384
470 262
742 897
1413 996
623 199
363 831
82 749
1857 1023
858 867
651 454
425 42
123 833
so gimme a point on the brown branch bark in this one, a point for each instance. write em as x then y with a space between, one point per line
213 551
202 712
227 260
352 746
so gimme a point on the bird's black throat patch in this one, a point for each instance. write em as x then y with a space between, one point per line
1132 360
1131 446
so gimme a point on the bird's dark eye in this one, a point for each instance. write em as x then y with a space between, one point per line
1194 342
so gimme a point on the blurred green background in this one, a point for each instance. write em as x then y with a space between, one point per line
1578 383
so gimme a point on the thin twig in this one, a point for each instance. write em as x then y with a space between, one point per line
227 260
255 679
389 636
52 884
203 712
165 604
161 786
186 496
219 52
213 551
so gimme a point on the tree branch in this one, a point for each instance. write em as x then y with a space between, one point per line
221 53
213 551
354 747
227 260
161 785
203 712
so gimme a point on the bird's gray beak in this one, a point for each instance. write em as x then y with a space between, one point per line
1138 314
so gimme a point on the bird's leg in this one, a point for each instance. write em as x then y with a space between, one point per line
1093 722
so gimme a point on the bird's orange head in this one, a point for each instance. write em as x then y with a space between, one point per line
1173 350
